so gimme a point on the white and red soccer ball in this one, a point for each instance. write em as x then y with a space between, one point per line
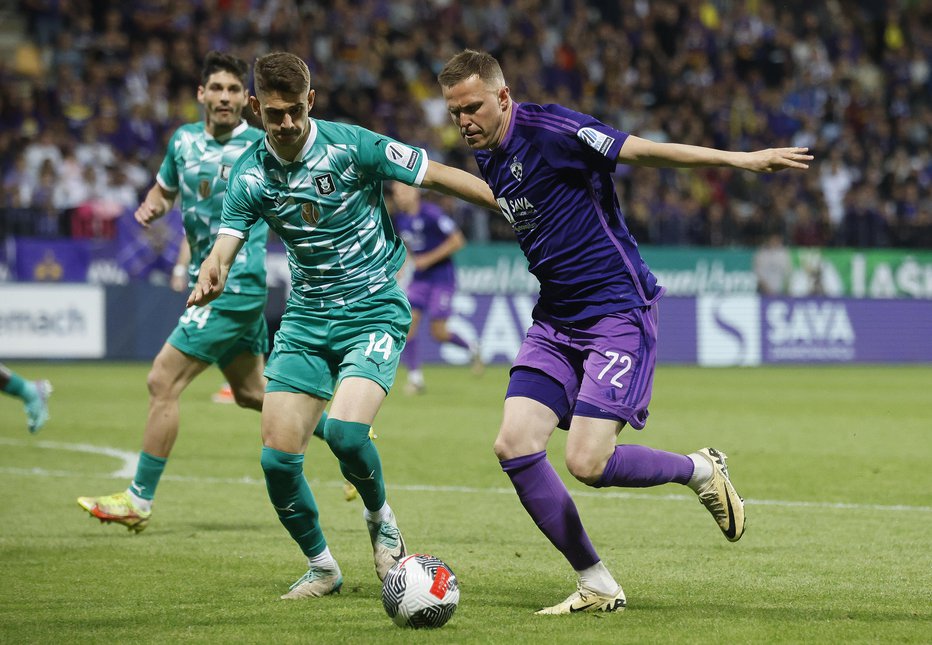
420 591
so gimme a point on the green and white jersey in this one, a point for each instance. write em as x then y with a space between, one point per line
198 166
327 207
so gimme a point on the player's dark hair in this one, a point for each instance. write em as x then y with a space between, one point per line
216 61
282 72
468 63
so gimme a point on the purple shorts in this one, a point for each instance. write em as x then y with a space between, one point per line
607 364
434 299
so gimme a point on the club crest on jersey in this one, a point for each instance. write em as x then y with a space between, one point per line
599 141
310 214
203 189
517 170
402 155
324 184
225 172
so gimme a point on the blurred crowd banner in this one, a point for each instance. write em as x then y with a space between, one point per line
147 255
52 321
724 330
131 322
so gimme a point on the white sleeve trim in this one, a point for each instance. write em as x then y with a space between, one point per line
423 169
231 232
161 182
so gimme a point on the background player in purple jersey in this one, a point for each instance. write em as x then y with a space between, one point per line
587 363
431 238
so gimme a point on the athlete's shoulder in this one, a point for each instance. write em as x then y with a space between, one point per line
250 162
187 133
252 133
551 118
194 128
336 132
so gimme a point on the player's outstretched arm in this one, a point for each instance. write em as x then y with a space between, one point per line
158 201
642 152
212 276
458 183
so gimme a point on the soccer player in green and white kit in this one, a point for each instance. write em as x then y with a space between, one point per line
230 332
34 394
319 186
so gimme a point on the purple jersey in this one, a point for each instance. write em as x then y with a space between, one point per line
423 232
551 175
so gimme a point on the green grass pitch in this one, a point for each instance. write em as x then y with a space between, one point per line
835 463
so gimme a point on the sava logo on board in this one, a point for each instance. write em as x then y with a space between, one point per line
809 330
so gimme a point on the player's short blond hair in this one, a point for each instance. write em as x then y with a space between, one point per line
469 63
282 72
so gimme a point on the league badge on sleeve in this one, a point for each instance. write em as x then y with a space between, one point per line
596 140
402 155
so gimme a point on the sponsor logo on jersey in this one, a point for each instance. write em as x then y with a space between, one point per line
402 155
517 170
596 140
324 184
519 211
310 214
203 189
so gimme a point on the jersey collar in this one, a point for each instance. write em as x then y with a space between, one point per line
311 138
510 129
235 132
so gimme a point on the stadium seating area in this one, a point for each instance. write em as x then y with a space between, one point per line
90 95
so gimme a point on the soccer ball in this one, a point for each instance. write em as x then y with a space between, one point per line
420 591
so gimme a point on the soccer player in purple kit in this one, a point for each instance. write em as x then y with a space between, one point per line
431 238
588 360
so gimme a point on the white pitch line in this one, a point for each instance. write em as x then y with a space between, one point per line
128 469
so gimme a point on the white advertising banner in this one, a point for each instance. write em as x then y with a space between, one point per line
728 330
52 321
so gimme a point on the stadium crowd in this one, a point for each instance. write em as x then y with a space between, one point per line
96 87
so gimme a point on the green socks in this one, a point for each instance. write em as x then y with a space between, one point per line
319 430
20 387
292 499
148 472
359 460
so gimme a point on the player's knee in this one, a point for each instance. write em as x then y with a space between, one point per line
251 399
508 447
501 449
157 383
276 463
584 468
344 438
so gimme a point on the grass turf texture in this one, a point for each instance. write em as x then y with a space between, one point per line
835 462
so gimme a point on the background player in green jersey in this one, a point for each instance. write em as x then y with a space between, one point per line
232 331
34 394
318 184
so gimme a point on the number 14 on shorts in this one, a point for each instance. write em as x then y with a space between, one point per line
381 345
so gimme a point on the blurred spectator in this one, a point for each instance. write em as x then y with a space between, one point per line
772 266
850 80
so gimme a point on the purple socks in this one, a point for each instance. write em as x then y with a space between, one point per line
639 467
548 502
409 357
457 340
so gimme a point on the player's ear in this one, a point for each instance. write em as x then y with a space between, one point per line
254 104
310 99
504 97
200 94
